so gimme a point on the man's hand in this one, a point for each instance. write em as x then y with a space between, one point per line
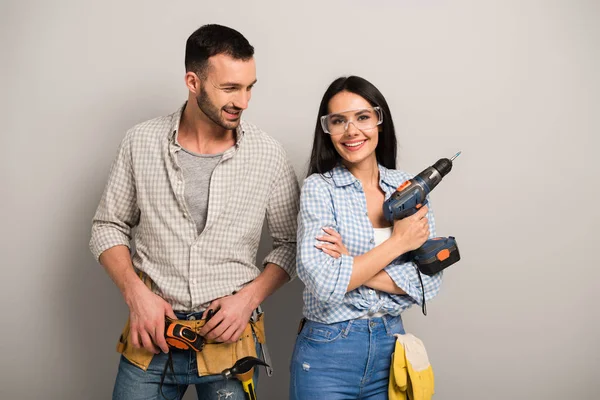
147 319
232 314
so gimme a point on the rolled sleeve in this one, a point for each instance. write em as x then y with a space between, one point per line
282 213
406 276
117 212
326 277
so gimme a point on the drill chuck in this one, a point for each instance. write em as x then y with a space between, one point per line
433 175
443 166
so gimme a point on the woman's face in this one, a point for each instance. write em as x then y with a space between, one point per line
355 146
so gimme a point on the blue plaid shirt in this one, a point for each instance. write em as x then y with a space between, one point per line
337 200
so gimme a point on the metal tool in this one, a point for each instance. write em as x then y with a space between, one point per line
263 346
243 370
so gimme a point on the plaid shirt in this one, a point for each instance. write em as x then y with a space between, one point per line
337 200
146 189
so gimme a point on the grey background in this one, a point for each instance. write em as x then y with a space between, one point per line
513 84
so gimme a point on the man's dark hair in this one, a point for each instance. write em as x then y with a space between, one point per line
324 157
210 40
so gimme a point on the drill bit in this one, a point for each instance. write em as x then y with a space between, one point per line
456 155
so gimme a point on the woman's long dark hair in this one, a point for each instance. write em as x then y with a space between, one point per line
324 157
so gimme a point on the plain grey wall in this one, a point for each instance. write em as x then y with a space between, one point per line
513 84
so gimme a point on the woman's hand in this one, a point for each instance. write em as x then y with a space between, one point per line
412 231
333 245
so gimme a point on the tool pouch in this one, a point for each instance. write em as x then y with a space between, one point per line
138 357
214 357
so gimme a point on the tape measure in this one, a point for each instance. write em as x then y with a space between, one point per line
182 337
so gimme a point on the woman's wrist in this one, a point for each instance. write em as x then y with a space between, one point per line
397 245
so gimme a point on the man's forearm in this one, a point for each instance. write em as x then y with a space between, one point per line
118 265
146 309
270 279
382 282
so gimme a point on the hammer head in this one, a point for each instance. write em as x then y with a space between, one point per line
243 366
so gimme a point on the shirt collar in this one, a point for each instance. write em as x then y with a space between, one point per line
342 177
176 119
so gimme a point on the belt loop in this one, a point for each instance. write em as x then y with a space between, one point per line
385 323
347 329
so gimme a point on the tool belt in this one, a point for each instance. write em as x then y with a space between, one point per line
214 357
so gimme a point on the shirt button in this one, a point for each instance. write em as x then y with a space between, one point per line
192 318
372 240
366 214
371 291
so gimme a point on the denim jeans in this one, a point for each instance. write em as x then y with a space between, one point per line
133 383
345 360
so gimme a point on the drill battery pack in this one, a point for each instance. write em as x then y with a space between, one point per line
436 254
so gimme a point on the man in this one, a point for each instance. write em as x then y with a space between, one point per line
197 184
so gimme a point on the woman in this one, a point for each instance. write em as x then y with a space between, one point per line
349 254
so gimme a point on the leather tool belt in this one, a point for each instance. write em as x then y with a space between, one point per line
213 358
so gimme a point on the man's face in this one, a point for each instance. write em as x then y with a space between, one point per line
226 90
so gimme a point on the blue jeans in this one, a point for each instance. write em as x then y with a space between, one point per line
133 383
345 360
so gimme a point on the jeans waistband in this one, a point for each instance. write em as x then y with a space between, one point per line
384 322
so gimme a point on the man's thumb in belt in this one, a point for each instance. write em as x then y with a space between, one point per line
169 311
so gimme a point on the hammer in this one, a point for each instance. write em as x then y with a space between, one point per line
243 370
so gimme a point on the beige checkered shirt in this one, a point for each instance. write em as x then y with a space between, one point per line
146 189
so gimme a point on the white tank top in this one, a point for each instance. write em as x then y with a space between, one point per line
381 235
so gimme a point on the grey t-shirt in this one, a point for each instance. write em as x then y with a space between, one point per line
197 170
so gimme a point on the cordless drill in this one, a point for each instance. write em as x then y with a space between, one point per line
437 253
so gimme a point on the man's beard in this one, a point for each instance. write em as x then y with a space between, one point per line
214 113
